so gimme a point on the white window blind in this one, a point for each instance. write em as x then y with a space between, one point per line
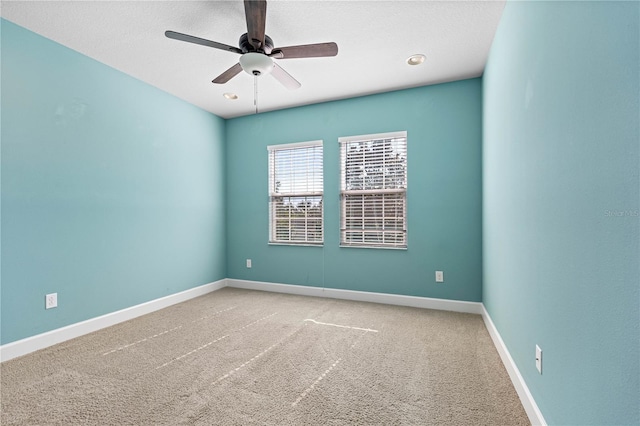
295 193
374 190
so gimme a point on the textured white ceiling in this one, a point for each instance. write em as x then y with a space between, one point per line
374 39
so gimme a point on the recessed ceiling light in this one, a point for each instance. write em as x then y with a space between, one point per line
416 59
230 96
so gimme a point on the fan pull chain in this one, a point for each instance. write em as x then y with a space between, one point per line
255 92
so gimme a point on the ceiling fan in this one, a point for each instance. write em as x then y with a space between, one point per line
257 50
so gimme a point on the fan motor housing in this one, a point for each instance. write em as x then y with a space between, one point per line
245 46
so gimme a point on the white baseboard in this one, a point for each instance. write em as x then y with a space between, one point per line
529 404
50 338
362 296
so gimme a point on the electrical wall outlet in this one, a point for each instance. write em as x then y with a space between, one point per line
539 359
439 276
249 263
51 301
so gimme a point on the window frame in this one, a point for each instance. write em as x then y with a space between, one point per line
382 193
272 194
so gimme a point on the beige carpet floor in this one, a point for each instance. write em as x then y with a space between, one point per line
240 357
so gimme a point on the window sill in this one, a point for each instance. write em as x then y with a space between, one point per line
373 247
296 244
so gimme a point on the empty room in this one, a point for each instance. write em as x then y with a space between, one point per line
320 212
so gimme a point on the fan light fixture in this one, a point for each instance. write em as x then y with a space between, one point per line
416 59
230 96
256 63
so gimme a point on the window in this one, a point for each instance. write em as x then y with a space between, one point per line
295 193
373 192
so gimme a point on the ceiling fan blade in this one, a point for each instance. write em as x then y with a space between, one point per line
317 50
228 74
284 77
197 40
256 13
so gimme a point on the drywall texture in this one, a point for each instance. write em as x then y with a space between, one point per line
561 203
443 123
112 191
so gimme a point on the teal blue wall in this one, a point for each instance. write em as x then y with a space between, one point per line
443 198
112 190
561 201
